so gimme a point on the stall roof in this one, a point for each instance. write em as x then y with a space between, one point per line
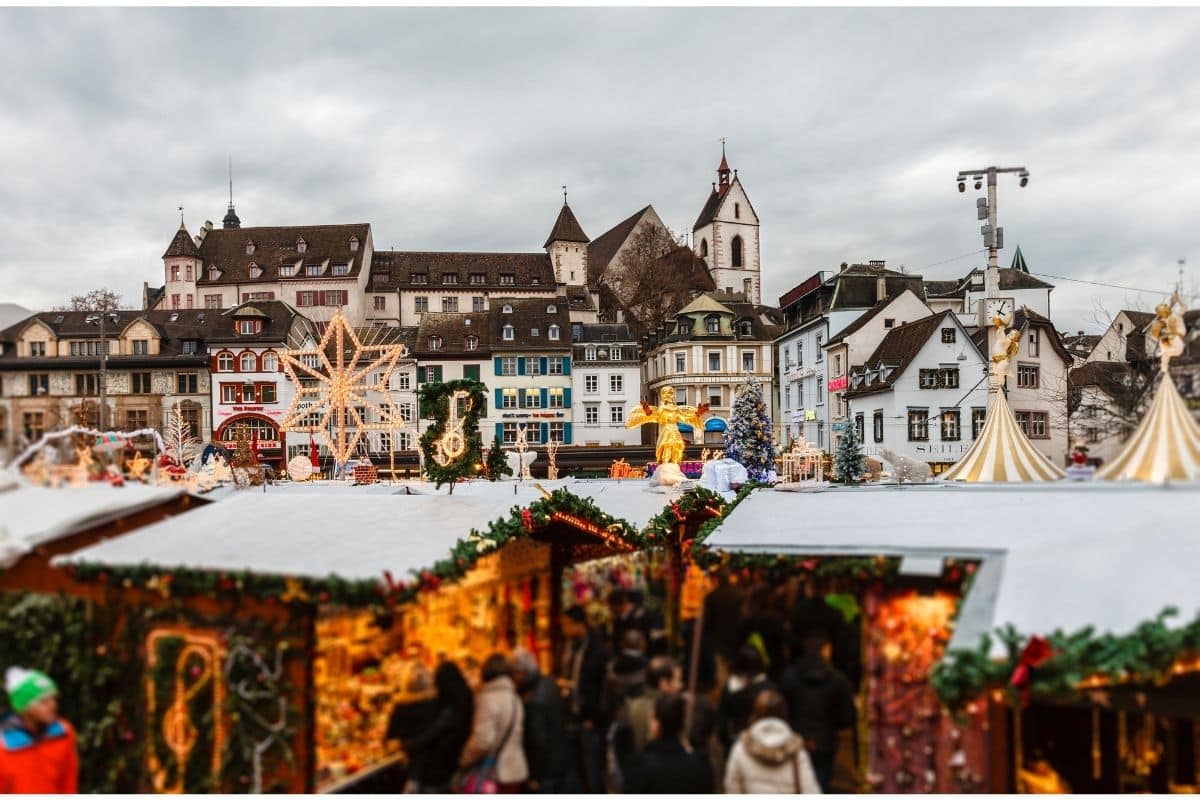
1054 556
317 530
34 515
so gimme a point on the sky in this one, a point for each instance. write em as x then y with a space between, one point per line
454 129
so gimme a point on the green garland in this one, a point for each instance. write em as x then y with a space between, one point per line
434 402
696 505
1146 655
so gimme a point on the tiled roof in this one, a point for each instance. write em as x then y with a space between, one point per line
529 315
528 270
941 288
566 228
182 245
1026 316
174 327
690 267
604 247
278 318
225 249
856 285
897 350
605 332
863 319
711 206
579 298
766 322
454 330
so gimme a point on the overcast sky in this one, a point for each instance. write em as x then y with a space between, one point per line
454 129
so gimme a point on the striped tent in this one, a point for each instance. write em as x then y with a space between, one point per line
1165 447
1002 454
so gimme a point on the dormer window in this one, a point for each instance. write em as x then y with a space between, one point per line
478 278
507 309
507 279
314 270
255 271
536 281
301 246
745 328
534 332
509 333
551 309
685 326
435 343
449 278
339 270
552 332
250 248
419 278
287 270
213 273
471 342
249 327
353 244
712 324
590 354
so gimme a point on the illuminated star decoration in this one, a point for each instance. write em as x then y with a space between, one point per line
340 395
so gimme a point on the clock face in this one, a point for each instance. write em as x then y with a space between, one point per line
999 306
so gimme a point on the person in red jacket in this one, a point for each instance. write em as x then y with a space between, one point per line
37 749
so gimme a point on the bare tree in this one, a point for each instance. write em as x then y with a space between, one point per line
653 278
96 300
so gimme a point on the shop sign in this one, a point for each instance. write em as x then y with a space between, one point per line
838 384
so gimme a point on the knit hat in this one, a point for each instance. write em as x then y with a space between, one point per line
27 686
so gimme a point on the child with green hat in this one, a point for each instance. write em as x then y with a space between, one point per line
37 749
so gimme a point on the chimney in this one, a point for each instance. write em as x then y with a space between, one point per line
880 288
843 266
204 229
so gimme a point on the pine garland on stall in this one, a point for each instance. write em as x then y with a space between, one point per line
849 463
497 461
749 439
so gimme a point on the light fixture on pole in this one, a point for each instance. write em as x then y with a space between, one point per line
99 320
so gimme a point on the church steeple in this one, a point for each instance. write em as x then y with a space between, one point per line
231 218
723 170
567 247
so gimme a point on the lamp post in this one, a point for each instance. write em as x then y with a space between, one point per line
100 319
993 240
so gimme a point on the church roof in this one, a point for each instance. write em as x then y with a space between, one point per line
604 247
1018 262
182 244
709 212
566 228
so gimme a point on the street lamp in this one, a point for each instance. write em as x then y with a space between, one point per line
99 320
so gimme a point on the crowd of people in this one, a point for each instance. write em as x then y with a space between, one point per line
766 712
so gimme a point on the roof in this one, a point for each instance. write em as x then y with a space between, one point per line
604 247
604 332
225 249
529 315
182 245
766 322
899 347
579 298
941 288
1107 376
395 270
690 268
1024 579
566 228
1026 316
709 212
453 330
862 319
857 285
1082 343
1018 261
278 320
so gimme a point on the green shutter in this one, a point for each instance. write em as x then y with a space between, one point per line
420 374
499 398
566 366
545 398
496 367
545 430
567 397
471 372
500 431
520 398
566 433
521 365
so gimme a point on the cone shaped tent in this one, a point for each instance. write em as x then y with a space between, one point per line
1165 447
1002 454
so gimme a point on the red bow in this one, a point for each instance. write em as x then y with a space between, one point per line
1037 652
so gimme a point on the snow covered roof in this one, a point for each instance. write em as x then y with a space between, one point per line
322 529
33 515
1053 556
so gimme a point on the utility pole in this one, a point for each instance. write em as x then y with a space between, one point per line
100 319
993 240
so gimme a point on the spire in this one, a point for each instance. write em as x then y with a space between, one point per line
231 218
1018 262
182 244
723 170
566 227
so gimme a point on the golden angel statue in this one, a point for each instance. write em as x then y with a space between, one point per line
668 415
1006 353
1168 330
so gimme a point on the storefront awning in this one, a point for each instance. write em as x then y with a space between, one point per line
715 425
683 427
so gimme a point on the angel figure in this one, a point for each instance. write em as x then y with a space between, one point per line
668 415
1168 330
1006 352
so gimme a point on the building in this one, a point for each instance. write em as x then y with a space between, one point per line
726 236
451 347
606 383
708 349
921 393
530 383
250 391
814 311
962 296
50 370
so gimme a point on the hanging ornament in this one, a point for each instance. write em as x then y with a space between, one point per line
293 591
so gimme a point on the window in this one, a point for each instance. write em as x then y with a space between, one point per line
305 299
249 327
509 333
248 296
837 365
602 353
380 302
533 434
533 366
616 384
301 245
420 304
820 356
471 342
929 379
591 414
214 273
615 355
34 423
1027 376
948 377
340 270
247 362
435 343
800 353
684 326
508 398
556 365
590 354
714 395
558 432
533 398
288 270
406 412
948 335
555 398
506 309
552 333
745 327
87 384
704 248
141 347
888 322
174 272
591 383
681 395
860 429
534 332
735 250
714 362
174 301
190 300
336 297
39 383
266 393
507 279
137 419
918 424
212 301
353 244
951 427
186 383
1035 344
1034 424
191 418
37 349
508 365
433 374
509 432
477 279
737 210
712 324
747 361
225 362
680 362
139 383
616 414
249 248
256 271
248 393
477 304
820 390
189 347
404 380
418 279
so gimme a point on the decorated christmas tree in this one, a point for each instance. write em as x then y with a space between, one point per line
451 446
497 461
177 436
749 440
849 463
246 469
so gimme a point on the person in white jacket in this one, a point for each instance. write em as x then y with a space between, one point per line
769 757
497 731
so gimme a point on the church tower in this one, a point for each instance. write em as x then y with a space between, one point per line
726 235
181 269
567 247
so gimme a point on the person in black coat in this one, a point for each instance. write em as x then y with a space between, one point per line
668 764
409 720
434 753
821 703
583 667
545 724
748 678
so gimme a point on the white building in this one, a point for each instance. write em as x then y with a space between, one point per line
725 235
530 381
606 382
1037 388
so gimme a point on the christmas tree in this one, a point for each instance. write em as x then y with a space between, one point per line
749 440
177 436
849 463
246 469
497 461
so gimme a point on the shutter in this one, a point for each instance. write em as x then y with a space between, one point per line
521 365
567 397
542 364
566 433
496 365
545 397
545 430
499 431
499 398
520 398
566 366
420 374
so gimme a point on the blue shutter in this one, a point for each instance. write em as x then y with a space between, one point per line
566 433
496 366
545 397
420 374
567 397
566 366
520 398
545 430
500 432
521 365
542 364
499 398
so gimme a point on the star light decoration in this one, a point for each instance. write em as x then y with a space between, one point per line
343 387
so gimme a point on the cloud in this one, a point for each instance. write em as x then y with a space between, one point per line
455 128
